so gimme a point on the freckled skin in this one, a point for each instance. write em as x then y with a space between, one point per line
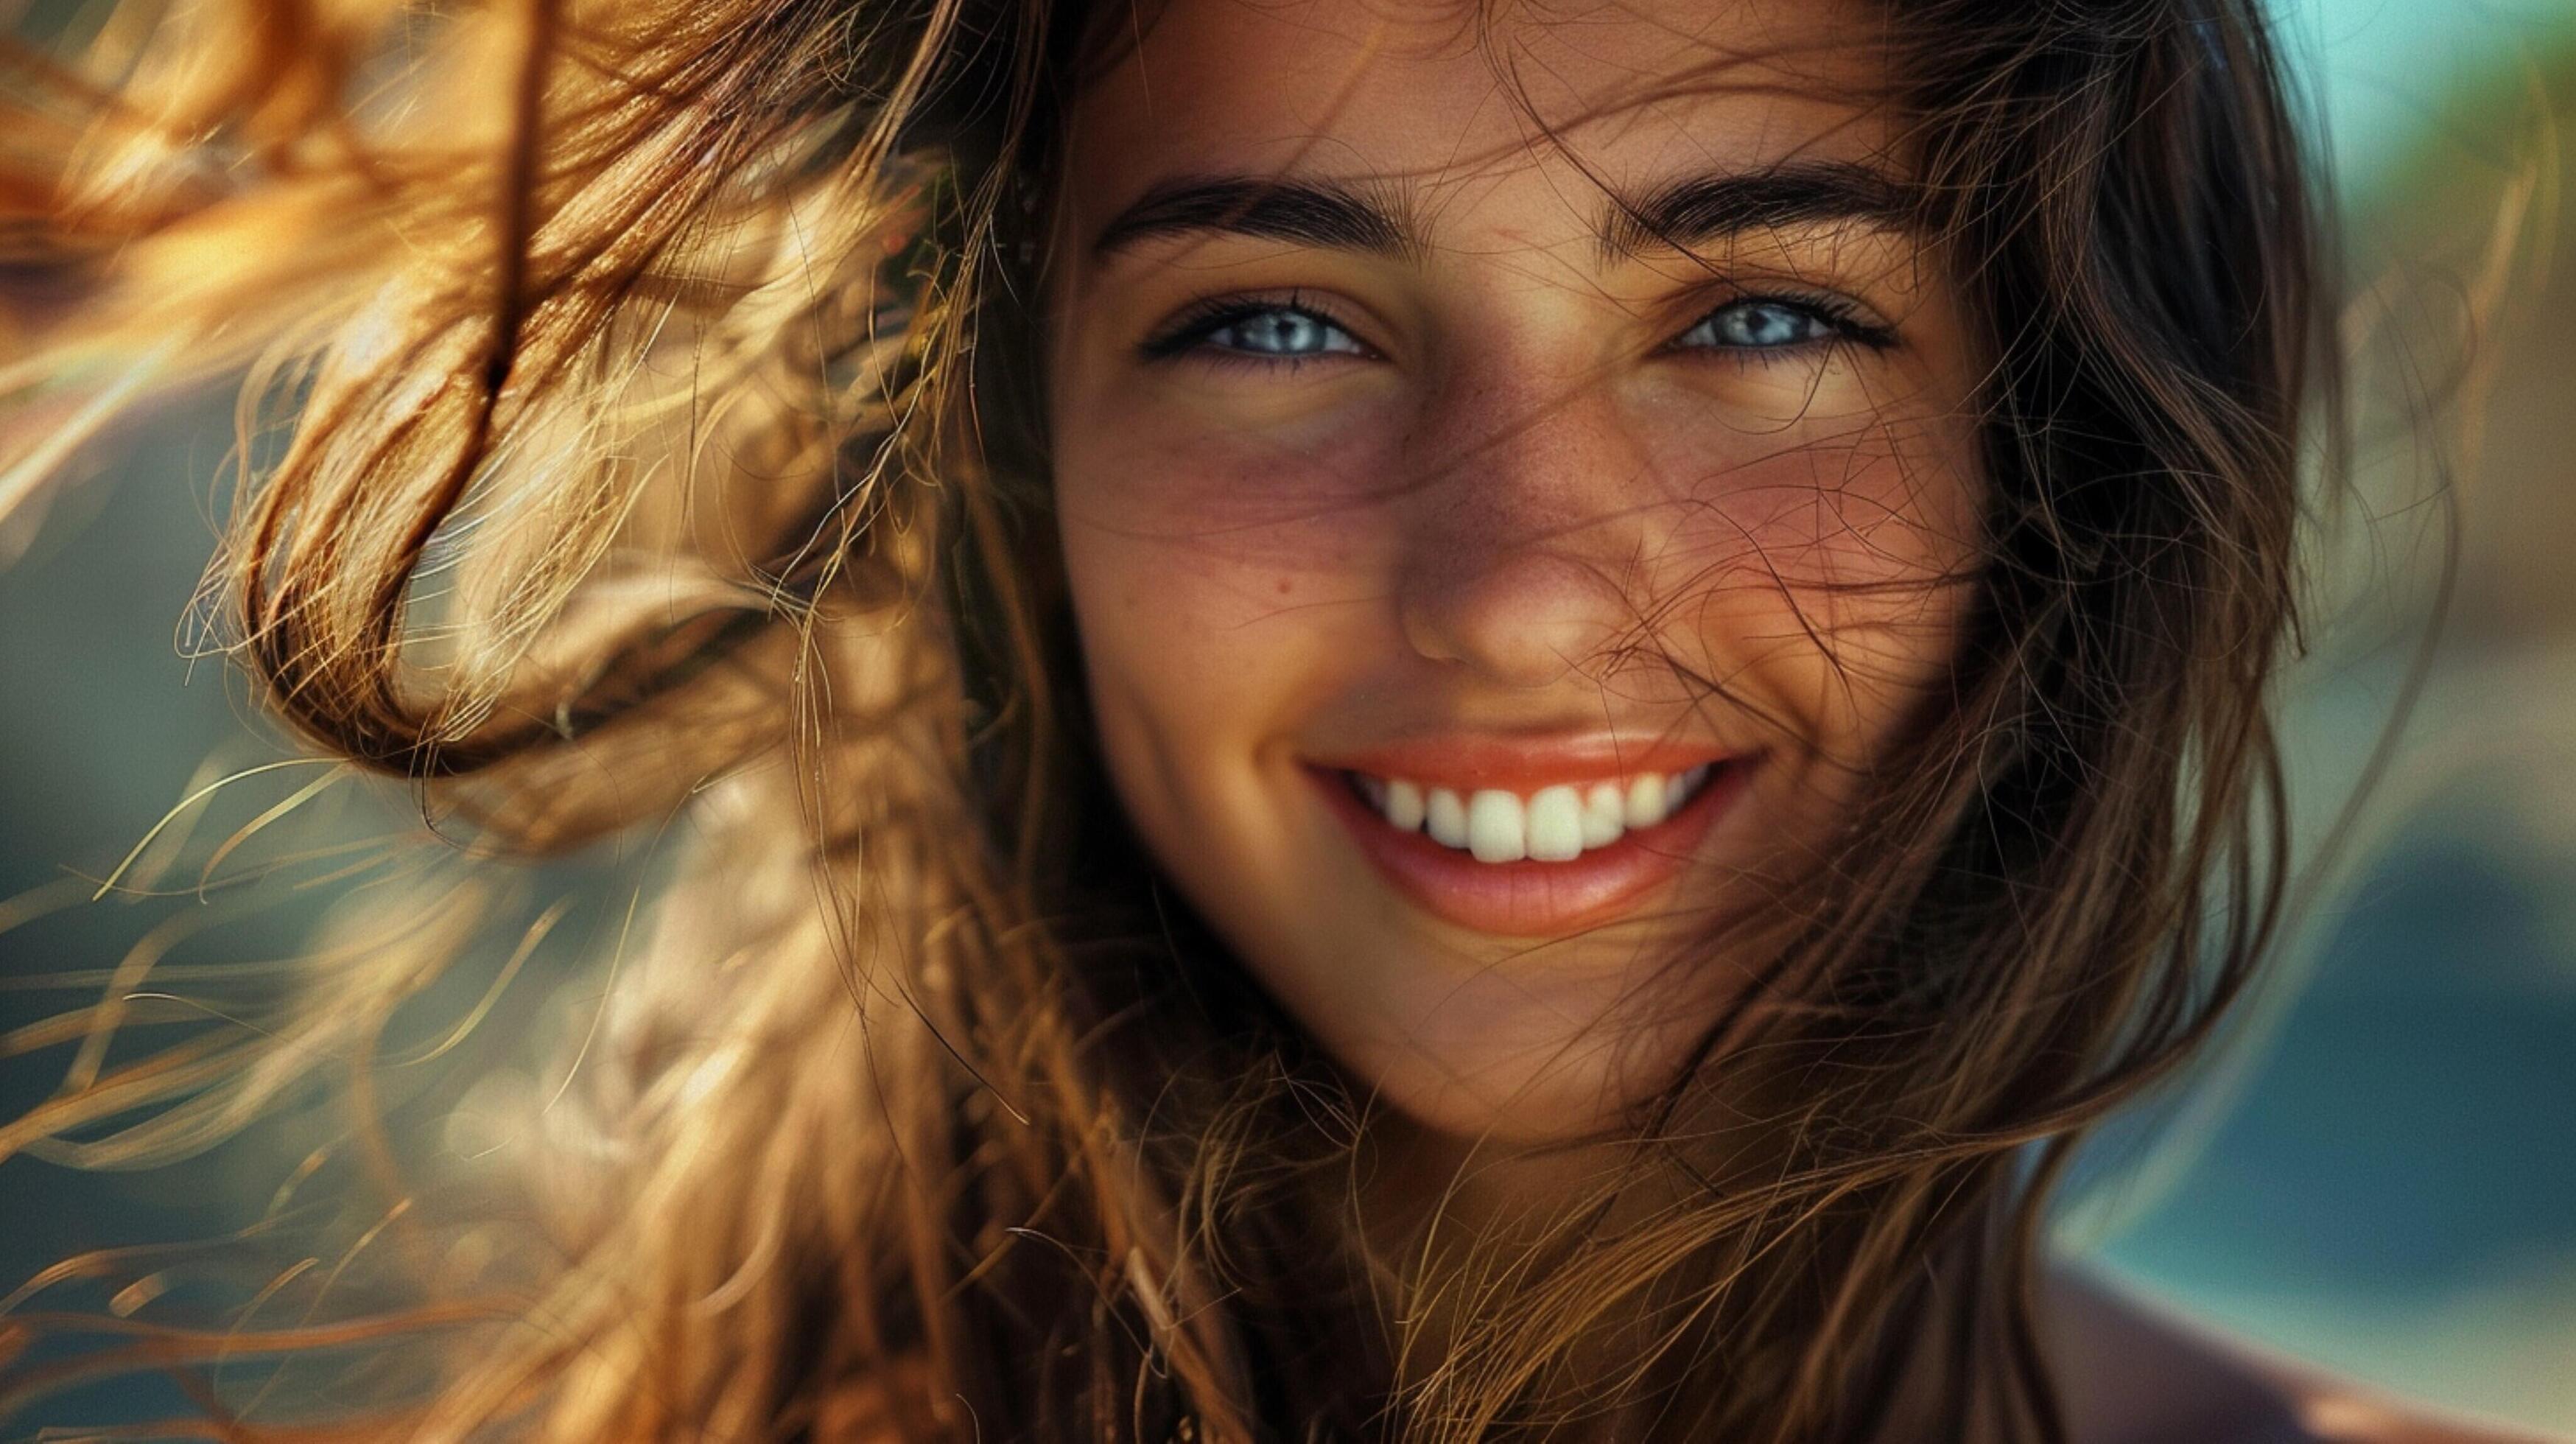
1521 512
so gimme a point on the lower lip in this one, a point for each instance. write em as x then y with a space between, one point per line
1534 899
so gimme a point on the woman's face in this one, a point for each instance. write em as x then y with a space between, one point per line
1515 478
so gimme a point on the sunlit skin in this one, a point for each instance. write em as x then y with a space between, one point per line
1378 442
1489 480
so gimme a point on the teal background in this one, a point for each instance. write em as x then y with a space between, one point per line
2378 1174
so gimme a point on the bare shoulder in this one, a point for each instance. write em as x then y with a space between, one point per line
2135 1372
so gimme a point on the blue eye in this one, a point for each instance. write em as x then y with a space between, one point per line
1282 331
1270 331
1757 324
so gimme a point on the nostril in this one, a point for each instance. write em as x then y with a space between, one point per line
1427 640
1521 656
1523 621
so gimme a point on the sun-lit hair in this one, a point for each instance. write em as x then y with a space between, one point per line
639 439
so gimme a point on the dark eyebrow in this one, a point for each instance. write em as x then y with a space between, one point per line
1691 212
1305 212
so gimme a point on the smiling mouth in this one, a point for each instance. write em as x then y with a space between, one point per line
1538 860
1553 824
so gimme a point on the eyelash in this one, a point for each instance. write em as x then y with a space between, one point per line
1189 332
1838 315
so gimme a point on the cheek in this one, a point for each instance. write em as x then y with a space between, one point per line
1191 547
1828 576
1226 497
1222 588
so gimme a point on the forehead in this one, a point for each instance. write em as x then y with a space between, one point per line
1456 100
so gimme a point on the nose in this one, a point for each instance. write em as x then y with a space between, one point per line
1527 529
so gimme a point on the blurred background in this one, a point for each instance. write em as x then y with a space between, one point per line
2377 1175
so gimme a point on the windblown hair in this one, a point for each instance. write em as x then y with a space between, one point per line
638 431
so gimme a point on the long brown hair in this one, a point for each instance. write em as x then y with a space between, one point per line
637 437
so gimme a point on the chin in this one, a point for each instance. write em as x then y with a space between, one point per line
1522 1108
1516 1048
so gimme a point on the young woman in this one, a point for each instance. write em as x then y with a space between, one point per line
1380 718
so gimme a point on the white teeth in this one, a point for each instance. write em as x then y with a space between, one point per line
1681 786
1555 824
1445 816
1646 801
1497 827
1403 806
1605 814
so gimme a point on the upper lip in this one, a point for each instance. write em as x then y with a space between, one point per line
1466 761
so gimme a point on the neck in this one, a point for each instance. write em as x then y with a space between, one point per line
1466 1226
